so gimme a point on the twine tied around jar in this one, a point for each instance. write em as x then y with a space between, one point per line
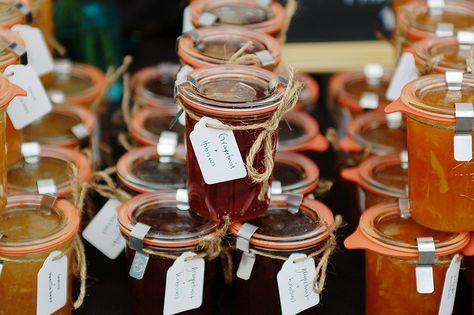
107 189
430 64
290 10
265 140
348 159
240 58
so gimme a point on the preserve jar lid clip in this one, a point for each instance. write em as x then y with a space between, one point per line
424 268
294 202
435 7
444 30
166 147
373 73
243 243
454 80
465 40
369 100
463 132
404 159
404 205
80 131
140 261
31 152
207 19
182 199
14 48
276 188
24 10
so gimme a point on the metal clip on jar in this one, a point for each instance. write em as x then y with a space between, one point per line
237 96
397 252
439 129
172 232
32 230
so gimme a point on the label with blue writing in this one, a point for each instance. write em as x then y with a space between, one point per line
295 284
184 284
52 284
217 152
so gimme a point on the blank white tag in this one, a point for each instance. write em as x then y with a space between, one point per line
187 23
184 285
103 231
295 284
23 110
52 284
39 56
450 285
406 71
217 152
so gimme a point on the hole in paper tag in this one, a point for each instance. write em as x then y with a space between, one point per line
52 284
405 72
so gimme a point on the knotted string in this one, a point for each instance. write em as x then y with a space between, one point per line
241 58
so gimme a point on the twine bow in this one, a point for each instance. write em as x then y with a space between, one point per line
239 57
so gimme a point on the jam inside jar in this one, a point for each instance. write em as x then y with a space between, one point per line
237 96
296 173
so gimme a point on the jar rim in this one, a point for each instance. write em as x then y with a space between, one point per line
14 16
8 57
311 86
137 128
310 170
305 141
423 51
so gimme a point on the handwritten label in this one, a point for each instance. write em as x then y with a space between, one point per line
450 285
295 284
52 284
23 110
103 231
217 152
184 284
406 71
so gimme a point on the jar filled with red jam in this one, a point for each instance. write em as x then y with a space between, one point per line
299 132
32 231
393 248
172 232
49 171
309 95
154 85
295 173
268 19
216 45
11 15
280 233
148 123
143 170
439 129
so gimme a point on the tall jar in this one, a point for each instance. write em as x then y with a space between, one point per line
280 233
440 155
172 232
43 16
247 13
216 45
392 252
10 15
32 232
237 96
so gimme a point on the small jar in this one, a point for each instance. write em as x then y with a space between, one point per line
296 173
237 96
309 95
10 15
43 16
32 231
280 233
148 123
74 83
154 85
248 13
439 178
211 46
173 232
142 170
301 135
391 258
52 163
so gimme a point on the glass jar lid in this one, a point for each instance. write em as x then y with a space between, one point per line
296 173
8 91
29 226
55 128
299 131
142 170
10 14
170 227
279 229
52 163
7 56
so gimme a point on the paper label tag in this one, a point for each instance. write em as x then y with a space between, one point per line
406 71
450 285
295 284
39 56
52 284
23 110
184 285
103 231
187 22
246 266
217 152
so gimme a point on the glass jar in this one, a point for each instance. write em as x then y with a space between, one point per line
296 173
301 135
309 95
33 231
74 83
43 16
269 20
279 233
52 163
154 85
211 46
142 170
440 187
172 232
237 96
391 258
10 15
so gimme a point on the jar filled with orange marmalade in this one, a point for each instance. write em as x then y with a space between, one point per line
143 170
268 19
32 231
11 14
439 129
395 248
279 233
172 232
309 95
43 16
216 45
